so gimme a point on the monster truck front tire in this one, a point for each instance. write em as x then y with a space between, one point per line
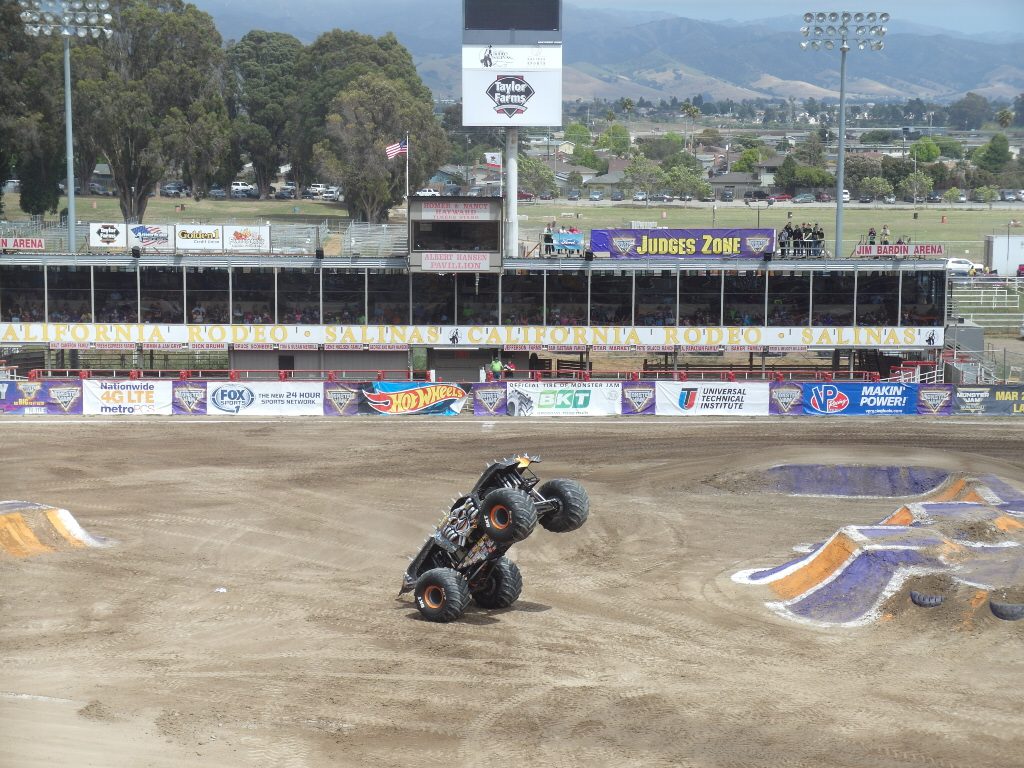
441 594
571 505
503 587
508 515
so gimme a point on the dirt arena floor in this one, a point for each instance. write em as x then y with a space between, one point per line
247 614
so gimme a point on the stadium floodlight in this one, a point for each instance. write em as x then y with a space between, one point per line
827 38
68 18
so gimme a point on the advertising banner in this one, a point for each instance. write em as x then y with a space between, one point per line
247 239
786 399
489 399
390 398
567 241
935 399
682 243
189 398
705 398
115 397
22 244
860 399
265 398
638 398
899 251
108 235
456 210
583 398
491 97
341 399
689 338
993 401
40 398
454 261
158 238
199 237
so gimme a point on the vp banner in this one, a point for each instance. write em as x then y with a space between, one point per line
684 243
564 398
40 398
113 397
860 399
707 399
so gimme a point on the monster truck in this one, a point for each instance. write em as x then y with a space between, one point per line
464 557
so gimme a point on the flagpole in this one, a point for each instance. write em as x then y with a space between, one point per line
407 166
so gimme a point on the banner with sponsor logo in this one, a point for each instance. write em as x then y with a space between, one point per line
247 239
704 398
489 399
341 399
115 397
638 398
682 243
935 399
40 398
199 237
265 398
189 398
390 398
994 400
860 399
563 398
108 235
512 85
158 238
786 399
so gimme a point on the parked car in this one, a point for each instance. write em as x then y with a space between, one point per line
596 195
525 196
640 197
846 195
332 194
959 266
547 194
709 198
962 197
781 197
12 185
617 196
804 197
934 197
913 199
242 187
727 196
865 199
99 189
664 197
318 189
216 193
824 197
427 192
686 198
574 194
286 193
889 199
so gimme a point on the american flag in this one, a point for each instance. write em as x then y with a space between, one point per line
396 149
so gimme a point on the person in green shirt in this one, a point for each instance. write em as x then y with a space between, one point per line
496 368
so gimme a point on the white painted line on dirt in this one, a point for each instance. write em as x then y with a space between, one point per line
31 697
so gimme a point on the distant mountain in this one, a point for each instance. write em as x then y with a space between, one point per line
612 54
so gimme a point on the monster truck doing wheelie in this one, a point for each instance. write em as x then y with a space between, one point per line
464 558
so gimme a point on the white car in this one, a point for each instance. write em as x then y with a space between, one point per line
963 266
846 195
241 186
427 192
332 194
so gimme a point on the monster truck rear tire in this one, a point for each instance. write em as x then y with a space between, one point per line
441 594
572 505
503 586
508 515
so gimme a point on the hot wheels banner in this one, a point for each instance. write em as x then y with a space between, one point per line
708 399
638 398
40 398
860 399
113 397
401 398
583 398
489 399
682 243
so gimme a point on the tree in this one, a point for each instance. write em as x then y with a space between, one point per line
917 184
1005 118
365 117
1018 110
986 194
878 136
812 151
643 174
616 139
199 139
535 176
876 186
858 168
682 181
578 134
970 112
951 195
995 155
924 150
949 147
785 175
262 66
145 82
747 162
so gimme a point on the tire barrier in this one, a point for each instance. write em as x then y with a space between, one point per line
969 530
28 529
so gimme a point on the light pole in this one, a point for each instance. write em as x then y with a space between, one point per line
759 205
67 18
827 29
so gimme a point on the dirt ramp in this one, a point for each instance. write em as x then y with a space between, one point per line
852 480
28 529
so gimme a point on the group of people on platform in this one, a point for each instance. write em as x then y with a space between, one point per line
801 241
551 248
883 237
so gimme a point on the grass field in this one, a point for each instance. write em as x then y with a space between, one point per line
964 228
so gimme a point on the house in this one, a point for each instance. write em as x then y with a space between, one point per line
740 183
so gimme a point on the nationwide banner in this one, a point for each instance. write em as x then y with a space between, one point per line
116 397
860 399
711 338
682 243
995 400
40 398
265 398
711 399
563 398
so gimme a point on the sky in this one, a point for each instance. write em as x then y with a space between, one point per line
970 17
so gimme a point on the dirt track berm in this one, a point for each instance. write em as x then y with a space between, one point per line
464 557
